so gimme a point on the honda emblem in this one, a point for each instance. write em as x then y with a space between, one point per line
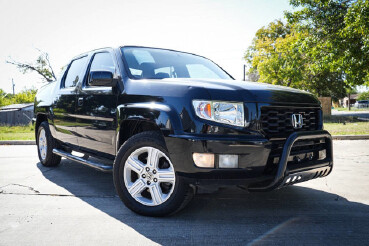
297 121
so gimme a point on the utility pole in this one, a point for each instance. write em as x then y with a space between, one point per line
244 72
13 85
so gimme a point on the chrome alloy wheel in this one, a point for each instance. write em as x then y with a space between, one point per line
149 176
42 144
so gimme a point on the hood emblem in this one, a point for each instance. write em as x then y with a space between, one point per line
297 121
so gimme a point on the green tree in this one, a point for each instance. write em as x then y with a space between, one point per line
356 36
363 96
280 56
323 47
338 35
42 66
266 53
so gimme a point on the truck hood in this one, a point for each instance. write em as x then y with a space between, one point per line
233 90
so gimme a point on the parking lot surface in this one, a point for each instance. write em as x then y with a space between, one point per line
75 205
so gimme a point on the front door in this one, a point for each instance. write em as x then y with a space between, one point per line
96 110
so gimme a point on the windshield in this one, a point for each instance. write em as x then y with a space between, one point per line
150 63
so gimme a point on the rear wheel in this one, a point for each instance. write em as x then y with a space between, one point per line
145 178
45 146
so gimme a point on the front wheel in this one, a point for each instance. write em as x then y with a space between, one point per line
45 145
145 178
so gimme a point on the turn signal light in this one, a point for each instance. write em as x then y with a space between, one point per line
203 160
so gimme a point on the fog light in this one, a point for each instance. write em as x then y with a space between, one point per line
228 161
203 160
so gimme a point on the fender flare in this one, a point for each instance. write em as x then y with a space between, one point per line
161 115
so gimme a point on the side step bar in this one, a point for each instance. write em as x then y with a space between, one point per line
93 164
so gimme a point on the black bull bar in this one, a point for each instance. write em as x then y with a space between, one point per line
318 168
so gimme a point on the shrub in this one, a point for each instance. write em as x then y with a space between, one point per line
25 96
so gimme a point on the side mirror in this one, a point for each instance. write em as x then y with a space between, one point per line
101 78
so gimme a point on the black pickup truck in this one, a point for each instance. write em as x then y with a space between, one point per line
169 122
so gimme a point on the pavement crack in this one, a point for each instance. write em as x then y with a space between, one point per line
25 186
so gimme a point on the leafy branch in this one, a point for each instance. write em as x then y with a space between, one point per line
42 66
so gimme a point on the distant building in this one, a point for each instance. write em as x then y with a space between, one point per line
345 101
16 114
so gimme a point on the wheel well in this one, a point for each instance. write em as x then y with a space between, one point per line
131 127
39 119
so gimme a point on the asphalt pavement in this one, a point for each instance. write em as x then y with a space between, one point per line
75 205
363 115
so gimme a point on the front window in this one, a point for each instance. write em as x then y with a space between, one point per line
75 72
150 63
102 62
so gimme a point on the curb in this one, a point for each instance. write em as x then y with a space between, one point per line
350 137
18 142
335 137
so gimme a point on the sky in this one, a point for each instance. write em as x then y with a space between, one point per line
220 30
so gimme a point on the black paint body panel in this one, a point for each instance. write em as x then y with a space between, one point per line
90 119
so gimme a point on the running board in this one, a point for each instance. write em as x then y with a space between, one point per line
93 164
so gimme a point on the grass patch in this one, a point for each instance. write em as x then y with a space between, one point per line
345 125
340 119
17 132
352 109
351 128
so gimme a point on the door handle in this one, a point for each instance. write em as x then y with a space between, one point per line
80 101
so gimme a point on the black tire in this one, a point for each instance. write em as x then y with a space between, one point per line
51 159
182 192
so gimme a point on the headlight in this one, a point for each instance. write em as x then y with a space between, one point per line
231 113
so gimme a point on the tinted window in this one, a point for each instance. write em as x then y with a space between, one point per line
102 62
75 72
149 63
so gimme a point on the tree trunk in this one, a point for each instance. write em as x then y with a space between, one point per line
289 82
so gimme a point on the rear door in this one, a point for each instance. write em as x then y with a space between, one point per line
64 107
96 109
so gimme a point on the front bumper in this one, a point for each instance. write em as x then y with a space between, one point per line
253 154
